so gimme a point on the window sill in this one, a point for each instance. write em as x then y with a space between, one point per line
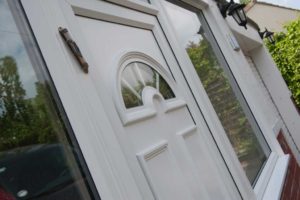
276 182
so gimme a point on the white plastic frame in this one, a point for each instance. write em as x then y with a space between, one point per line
105 161
147 110
100 142
220 29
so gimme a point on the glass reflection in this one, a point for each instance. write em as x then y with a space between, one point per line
249 145
135 77
36 159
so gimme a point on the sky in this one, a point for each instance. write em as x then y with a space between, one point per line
12 44
286 3
185 23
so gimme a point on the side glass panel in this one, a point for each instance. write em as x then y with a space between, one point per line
135 77
37 158
222 90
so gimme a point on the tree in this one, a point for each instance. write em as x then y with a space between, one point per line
222 97
227 106
11 91
286 54
22 121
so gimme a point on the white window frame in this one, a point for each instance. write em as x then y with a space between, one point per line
276 166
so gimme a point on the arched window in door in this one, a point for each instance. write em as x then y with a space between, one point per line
135 77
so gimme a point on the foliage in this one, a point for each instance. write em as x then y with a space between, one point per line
22 121
286 54
224 101
131 100
245 1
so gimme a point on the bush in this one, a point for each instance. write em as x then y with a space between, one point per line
286 54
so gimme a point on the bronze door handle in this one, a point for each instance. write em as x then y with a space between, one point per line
74 48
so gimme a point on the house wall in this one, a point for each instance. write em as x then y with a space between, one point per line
272 94
280 95
275 103
267 105
273 114
264 15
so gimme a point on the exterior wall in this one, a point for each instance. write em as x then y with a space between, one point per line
267 105
281 97
272 94
264 15
275 104
271 111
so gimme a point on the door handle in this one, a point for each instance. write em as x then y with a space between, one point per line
74 48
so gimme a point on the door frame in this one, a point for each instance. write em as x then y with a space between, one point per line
104 156
220 30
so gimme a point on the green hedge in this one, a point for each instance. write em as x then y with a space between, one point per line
286 54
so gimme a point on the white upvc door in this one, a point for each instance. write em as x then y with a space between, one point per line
140 130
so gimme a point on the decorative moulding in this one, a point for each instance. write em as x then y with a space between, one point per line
147 110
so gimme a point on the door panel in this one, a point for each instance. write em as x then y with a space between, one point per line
185 168
113 40
165 148
155 162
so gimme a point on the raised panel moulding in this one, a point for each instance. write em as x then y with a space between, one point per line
187 132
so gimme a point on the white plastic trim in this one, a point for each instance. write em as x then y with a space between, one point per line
137 5
265 175
275 185
108 12
153 151
277 127
174 105
147 155
201 4
129 116
187 132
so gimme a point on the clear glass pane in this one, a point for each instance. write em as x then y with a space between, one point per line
244 135
37 159
135 77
